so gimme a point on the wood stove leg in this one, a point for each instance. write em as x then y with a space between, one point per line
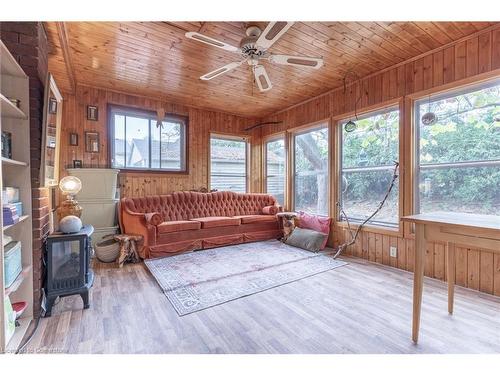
48 305
85 298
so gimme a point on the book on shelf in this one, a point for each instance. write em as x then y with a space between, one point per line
10 215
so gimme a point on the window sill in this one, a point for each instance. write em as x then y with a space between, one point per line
152 171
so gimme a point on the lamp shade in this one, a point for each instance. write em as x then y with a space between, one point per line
70 185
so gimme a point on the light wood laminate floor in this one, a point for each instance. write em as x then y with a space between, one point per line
359 308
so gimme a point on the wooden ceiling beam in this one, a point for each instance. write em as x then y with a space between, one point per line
64 41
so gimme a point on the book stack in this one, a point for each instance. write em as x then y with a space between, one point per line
10 215
12 207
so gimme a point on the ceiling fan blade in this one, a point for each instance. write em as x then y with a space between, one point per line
262 79
220 71
305 61
211 41
272 32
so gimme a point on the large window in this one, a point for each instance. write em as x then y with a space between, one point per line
458 156
140 142
367 165
275 169
311 171
228 163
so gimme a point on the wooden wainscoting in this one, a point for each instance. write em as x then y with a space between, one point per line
475 268
201 124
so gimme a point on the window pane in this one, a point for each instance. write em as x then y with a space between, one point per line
471 190
311 172
227 164
465 129
119 141
362 192
138 140
275 169
459 155
171 150
375 142
166 147
368 155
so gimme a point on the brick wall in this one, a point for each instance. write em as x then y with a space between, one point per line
27 42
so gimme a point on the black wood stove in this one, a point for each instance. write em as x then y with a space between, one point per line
67 258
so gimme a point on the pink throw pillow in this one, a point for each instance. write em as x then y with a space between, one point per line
317 223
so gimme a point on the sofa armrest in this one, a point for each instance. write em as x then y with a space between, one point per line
270 210
153 218
136 223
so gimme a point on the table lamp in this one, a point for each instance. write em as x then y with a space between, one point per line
69 186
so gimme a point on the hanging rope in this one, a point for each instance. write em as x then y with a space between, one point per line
355 78
354 236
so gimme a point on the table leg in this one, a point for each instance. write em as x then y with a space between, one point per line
418 278
450 270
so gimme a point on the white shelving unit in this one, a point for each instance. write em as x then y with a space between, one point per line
16 172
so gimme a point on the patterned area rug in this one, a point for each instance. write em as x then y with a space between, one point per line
202 279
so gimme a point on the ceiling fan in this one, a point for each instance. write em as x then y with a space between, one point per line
253 48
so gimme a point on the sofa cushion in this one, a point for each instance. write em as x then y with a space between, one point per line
217 221
153 218
270 210
251 219
177 226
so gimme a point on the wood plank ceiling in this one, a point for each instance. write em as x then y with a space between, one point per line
155 59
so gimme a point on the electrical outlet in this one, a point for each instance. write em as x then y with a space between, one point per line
393 251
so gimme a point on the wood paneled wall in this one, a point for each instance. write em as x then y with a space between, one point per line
201 123
467 60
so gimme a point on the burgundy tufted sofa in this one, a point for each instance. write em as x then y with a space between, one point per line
185 221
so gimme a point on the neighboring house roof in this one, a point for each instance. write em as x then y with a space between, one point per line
170 149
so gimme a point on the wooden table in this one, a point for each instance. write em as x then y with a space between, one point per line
477 231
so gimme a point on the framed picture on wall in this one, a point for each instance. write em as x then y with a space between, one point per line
73 139
92 142
92 113
77 164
